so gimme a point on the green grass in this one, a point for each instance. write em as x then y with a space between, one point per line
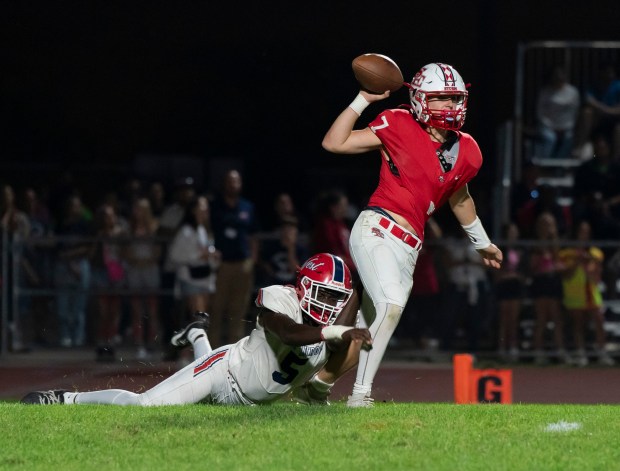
291 437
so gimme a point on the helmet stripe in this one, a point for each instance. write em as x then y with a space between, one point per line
338 270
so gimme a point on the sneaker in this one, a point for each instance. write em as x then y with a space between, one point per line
142 353
581 359
514 355
563 356
44 397
360 400
310 396
105 354
180 339
510 356
541 359
605 360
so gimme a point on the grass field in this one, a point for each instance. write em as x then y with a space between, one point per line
292 437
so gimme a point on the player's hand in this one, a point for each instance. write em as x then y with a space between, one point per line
370 97
359 335
492 256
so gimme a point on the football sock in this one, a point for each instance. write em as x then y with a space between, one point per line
117 397
69 397
200 342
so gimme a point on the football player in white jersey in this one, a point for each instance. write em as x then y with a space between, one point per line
294 337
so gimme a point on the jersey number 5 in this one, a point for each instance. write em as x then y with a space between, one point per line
288 373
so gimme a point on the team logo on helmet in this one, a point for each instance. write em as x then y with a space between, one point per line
448 77
418 79
313 265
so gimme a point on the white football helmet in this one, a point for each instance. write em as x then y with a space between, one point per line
435 80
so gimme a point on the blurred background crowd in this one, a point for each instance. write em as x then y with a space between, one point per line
154 164
127 266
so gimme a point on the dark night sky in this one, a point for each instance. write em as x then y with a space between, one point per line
259 81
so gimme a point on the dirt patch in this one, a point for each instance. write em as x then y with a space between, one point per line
396 381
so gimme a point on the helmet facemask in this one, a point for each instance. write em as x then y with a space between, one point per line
323 287
435 81
443 119
322 302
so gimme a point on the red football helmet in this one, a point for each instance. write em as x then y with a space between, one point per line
323 287
433 81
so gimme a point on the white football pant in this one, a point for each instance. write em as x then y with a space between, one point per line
385 265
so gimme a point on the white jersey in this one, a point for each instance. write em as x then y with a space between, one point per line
257 369
263 367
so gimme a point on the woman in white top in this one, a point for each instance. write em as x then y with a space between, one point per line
142 255
193 256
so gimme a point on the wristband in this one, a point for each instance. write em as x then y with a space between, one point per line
333 332
359 104
477 234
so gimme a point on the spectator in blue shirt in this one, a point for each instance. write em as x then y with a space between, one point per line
234 226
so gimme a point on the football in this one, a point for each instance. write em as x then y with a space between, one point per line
377 73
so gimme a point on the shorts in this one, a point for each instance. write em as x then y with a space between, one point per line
146 278
188 288
510 289
101 280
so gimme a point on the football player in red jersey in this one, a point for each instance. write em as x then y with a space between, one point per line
426 162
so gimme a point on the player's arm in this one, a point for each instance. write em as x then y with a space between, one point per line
294 334
464 209
463 206
342 139
348 315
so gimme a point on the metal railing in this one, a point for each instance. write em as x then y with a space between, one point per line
14 287
581 60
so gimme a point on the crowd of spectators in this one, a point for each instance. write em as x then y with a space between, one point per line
129 272
130 267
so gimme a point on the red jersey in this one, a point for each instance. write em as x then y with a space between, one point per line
422 186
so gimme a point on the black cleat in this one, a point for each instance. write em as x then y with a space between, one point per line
44 397
105 354
180 339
